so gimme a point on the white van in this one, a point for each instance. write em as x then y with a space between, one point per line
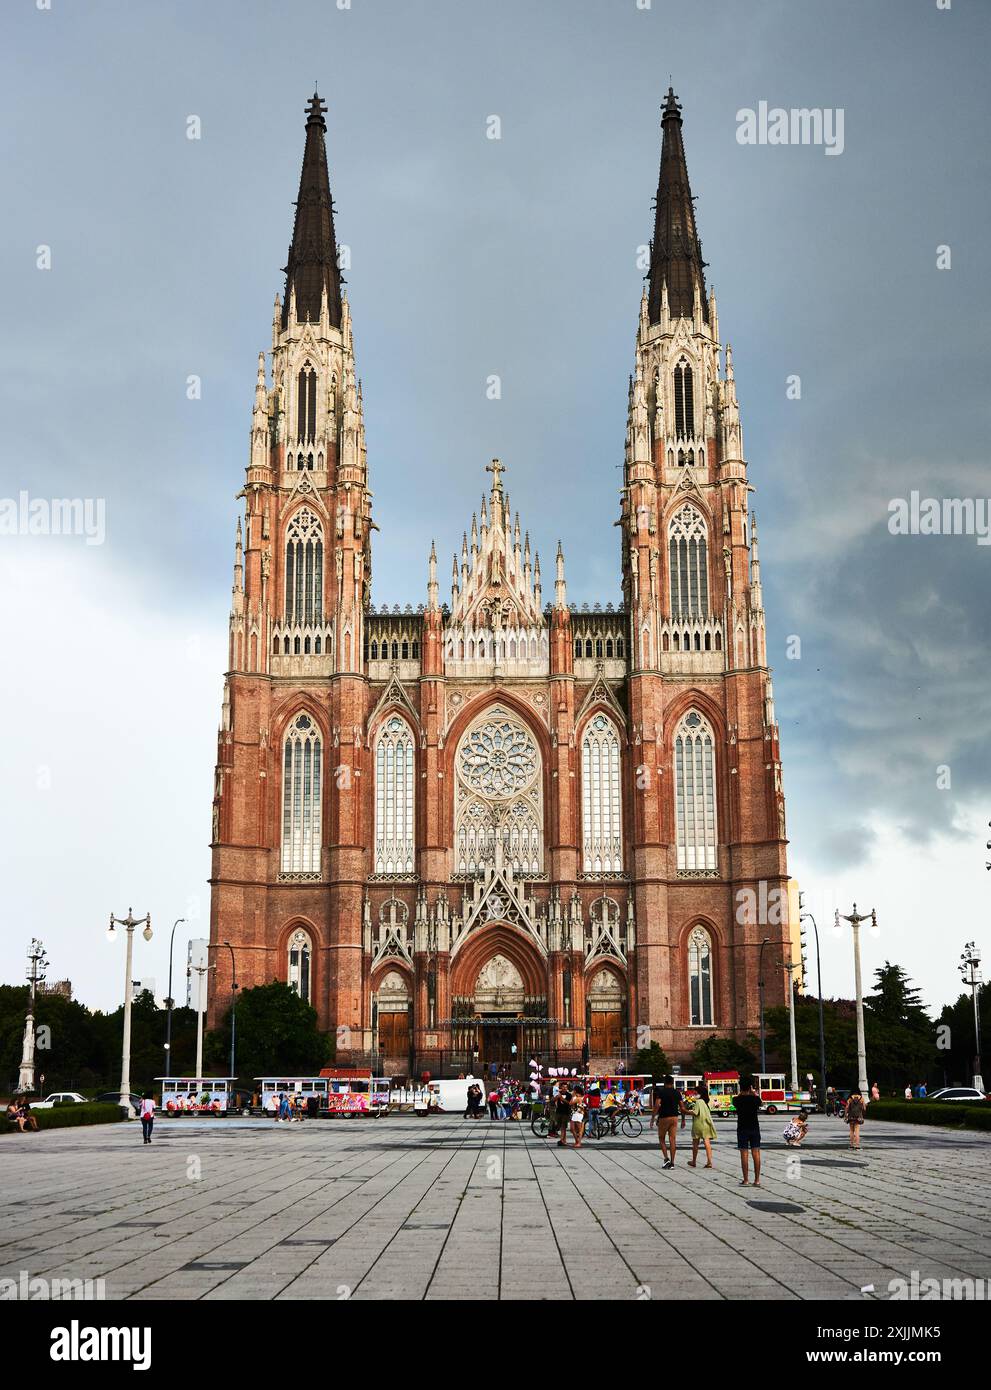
453 1094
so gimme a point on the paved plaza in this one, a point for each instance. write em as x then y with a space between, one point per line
411 1208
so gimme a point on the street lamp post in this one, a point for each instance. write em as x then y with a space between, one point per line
201 971
855 918
807 916
37 965
129 922
760 987
233 1003
791 967
169 1003
969 968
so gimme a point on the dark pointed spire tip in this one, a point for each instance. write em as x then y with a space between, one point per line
316 110
671 107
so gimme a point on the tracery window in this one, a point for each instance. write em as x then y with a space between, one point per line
300 955
687 550
695 795
394 830
601 802
498 796
301 797
304 569
700 977
306 406
684 401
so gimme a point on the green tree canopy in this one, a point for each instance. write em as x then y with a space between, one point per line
276 1032
722 1054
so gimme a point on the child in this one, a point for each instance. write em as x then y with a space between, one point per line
796 1130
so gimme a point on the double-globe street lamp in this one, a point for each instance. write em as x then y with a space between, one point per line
170 1003
808 917
129 923
234 988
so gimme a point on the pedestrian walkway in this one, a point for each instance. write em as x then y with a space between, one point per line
412 1208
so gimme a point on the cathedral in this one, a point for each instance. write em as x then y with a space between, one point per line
493 825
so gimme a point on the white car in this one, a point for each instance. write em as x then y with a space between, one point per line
67 1097
957 1093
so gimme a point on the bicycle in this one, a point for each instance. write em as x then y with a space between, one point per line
615 1120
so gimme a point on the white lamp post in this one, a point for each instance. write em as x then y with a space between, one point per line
969 968
129 922
37 965
855 919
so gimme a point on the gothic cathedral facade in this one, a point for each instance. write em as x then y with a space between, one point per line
493 826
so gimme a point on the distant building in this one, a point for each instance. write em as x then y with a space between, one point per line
196 990
63 987
139 987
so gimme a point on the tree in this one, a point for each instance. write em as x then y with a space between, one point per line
955 1041
899 1034
276 1032
722 1054
652 1061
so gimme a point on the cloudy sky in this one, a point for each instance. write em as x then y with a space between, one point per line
471 256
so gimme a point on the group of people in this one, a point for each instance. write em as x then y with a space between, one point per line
672 1109
19 1114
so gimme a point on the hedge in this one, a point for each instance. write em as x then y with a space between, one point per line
64 1116
948 1113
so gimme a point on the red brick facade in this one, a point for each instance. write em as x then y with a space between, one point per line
502 894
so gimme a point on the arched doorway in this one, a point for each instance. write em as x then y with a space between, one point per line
499 998
392 997
606 997
499 1002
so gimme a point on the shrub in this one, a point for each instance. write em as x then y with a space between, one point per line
948 1114
64 1116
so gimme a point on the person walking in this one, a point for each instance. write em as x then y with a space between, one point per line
667 1108
562 1115
703 1129
578 1113
147 1113
855 1112
908 1093
875 1092
747 1105
494 1103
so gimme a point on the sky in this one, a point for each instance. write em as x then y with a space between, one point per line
471 257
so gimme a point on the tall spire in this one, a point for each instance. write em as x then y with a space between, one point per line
312 268
676 259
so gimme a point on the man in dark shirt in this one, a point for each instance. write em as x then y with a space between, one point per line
747 1106
667 1107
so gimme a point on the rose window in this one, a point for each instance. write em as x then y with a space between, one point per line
498 759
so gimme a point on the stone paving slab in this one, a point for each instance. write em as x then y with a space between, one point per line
444 1208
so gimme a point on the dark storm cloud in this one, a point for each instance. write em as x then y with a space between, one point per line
518 257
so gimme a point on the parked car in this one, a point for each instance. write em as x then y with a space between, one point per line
58 1098
969 1093
113 1098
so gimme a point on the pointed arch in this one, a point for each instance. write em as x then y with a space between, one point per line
304 569
701 994
395 762
302 796
688 563
602 832
695 795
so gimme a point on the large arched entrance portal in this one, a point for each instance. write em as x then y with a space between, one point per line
499 999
